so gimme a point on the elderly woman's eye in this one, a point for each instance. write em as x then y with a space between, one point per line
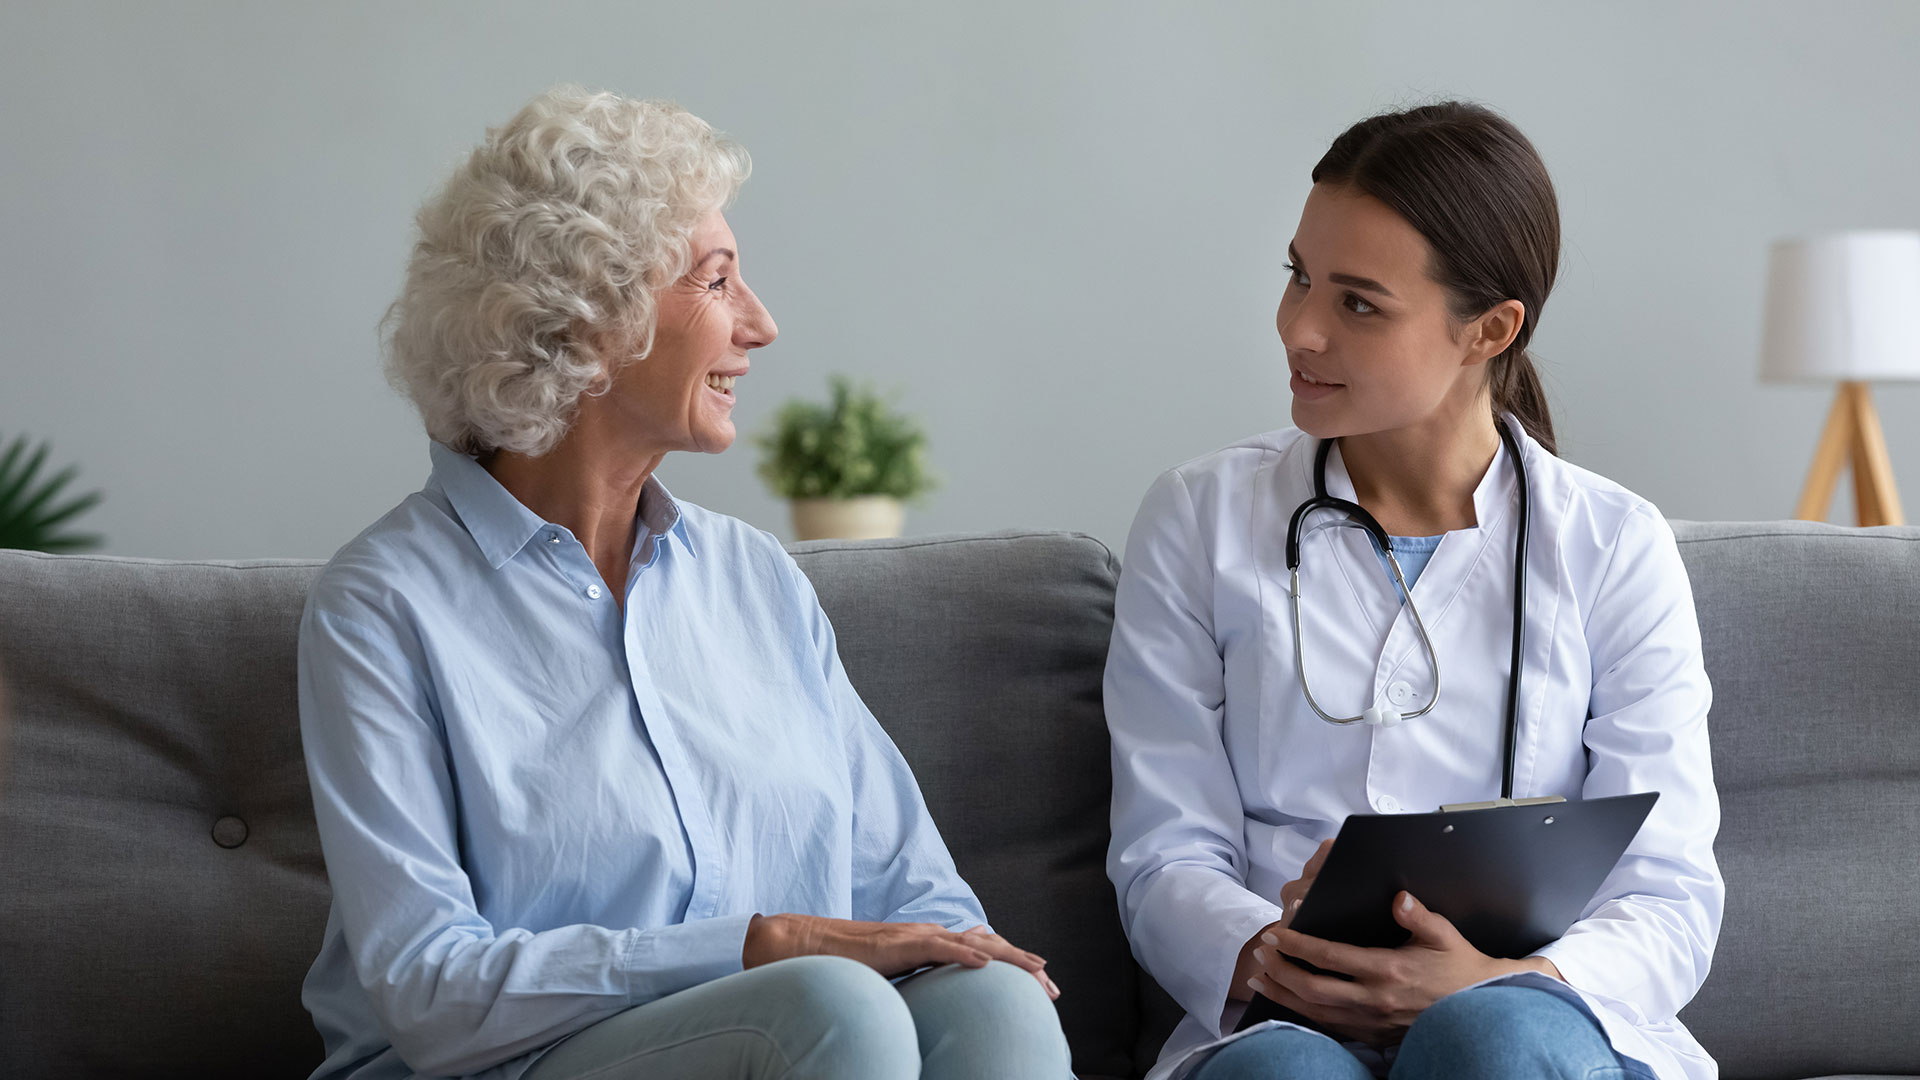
719 285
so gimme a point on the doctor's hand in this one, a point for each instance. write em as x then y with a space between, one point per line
1389 988
1290 896
889 948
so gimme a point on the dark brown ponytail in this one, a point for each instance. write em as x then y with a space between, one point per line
1469 181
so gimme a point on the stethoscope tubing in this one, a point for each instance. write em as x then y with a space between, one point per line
1519 614
1400 579
1357 517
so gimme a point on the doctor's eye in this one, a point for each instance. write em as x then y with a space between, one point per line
1295 276
1359 306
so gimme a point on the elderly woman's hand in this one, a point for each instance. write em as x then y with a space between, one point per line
889 948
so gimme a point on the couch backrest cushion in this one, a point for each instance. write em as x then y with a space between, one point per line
163 890
1000 717
163 893
1812 639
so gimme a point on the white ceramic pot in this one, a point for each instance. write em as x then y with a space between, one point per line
869 517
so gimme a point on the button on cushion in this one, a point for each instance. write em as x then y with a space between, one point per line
229 832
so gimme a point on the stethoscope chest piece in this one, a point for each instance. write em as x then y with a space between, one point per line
1385 718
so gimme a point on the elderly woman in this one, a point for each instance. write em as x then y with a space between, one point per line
596 796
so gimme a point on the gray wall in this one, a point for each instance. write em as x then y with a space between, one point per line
1055 228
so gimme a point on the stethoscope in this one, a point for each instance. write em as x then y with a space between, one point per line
1357 517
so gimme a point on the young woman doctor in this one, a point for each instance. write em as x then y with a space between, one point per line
1424 254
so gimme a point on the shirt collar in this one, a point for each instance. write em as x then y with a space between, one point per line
660 512
501 525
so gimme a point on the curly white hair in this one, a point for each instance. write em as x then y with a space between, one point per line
549 242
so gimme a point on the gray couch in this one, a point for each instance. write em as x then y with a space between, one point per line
162 891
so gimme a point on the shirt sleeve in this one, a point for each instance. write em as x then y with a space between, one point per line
902 871
1644 946
453 993
1178 858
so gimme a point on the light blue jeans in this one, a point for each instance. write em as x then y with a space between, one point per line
826 1016
1490 1033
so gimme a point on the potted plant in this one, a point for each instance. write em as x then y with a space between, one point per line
847 466
33 513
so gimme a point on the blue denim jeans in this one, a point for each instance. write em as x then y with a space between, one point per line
1490 1033
827 1017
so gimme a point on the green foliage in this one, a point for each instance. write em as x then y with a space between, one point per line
853 446
32 512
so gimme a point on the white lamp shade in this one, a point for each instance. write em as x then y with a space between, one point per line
1843 306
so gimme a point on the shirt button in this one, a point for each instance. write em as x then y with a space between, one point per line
1387 804
593 592
1400 693
553 537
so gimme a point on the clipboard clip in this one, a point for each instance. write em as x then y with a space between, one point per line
1492 804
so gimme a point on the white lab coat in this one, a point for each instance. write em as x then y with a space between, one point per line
1225 780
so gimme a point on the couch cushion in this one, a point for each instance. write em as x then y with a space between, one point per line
1001 719
1812 639
163 891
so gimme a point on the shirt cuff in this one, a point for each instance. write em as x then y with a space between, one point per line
674 958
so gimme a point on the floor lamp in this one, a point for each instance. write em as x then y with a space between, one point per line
1845 307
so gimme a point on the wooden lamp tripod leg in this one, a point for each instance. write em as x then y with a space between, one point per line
1873 489
1832 452
1853 438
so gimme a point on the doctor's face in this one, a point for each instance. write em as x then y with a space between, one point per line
1370 340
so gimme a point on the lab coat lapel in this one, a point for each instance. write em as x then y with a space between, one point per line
1462 557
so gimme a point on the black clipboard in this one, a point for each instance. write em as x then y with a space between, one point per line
1510 878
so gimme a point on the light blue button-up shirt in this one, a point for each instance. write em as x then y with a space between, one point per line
538 810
